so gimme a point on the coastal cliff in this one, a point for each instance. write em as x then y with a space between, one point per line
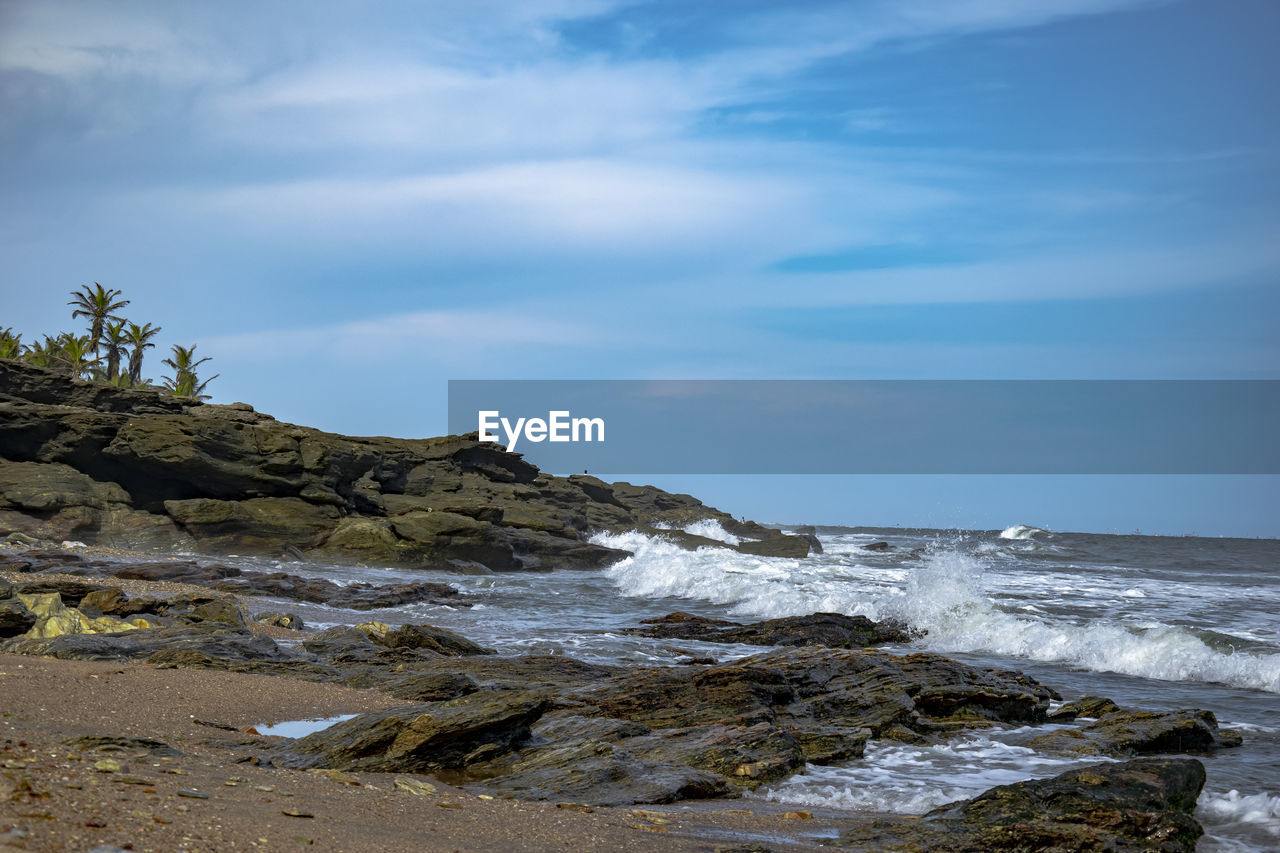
138 469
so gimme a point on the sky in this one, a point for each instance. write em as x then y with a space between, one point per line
346 205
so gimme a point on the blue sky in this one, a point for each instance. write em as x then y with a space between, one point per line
348 204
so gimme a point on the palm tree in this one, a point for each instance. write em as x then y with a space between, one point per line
139 337
10 344
114 337
42 353
75 354
184 382
98 306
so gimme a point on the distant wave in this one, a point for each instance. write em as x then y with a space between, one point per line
942 596
1021 531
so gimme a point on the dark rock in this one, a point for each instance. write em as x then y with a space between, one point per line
112 601
1088 706
356 596
809 532
438 640
200 645
280 620
115 743
807 688
364 596
831 744
779 545
421 738
1129 732
604 774
138 469
877 546
745 755
256 525
819 629
205 608
15 618
427 686
1141 805
342 644
72 592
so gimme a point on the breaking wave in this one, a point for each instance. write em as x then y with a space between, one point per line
941 595
1021 531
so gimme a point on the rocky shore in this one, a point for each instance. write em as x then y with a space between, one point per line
453 746
137 469
449 714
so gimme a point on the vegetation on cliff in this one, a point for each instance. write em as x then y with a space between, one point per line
111 352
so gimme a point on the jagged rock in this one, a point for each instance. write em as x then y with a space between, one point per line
745 755
778 545
224 609
824 744
72 593
202 645
421 738
1140 805
256 525
144 470
605 774
290 621
356 596
1128 732
50 500
439 640
15 618
53 618
116 743
813 687
1087 706
341 643
833 630
112 601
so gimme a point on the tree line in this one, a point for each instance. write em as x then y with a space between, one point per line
112 351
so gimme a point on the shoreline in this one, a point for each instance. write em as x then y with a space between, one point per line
64 803
59 793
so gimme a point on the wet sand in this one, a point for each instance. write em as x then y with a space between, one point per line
53 797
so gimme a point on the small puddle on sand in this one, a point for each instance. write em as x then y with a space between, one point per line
301 728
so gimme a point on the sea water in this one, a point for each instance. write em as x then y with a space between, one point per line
1148 621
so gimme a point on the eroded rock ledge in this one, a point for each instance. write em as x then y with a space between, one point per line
135 469
552 728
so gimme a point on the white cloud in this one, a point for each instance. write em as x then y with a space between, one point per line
1044 277
434 110
450 338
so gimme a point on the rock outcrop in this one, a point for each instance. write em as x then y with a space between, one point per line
137 469
552 728
1141 805
353 596
1126 732
833 630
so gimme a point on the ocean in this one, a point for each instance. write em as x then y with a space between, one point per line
1148 621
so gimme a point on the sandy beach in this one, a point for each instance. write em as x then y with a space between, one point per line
56 793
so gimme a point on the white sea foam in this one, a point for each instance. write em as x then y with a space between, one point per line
907 779
750 586
945 599
943 595
709 528
1261 809
1021 531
